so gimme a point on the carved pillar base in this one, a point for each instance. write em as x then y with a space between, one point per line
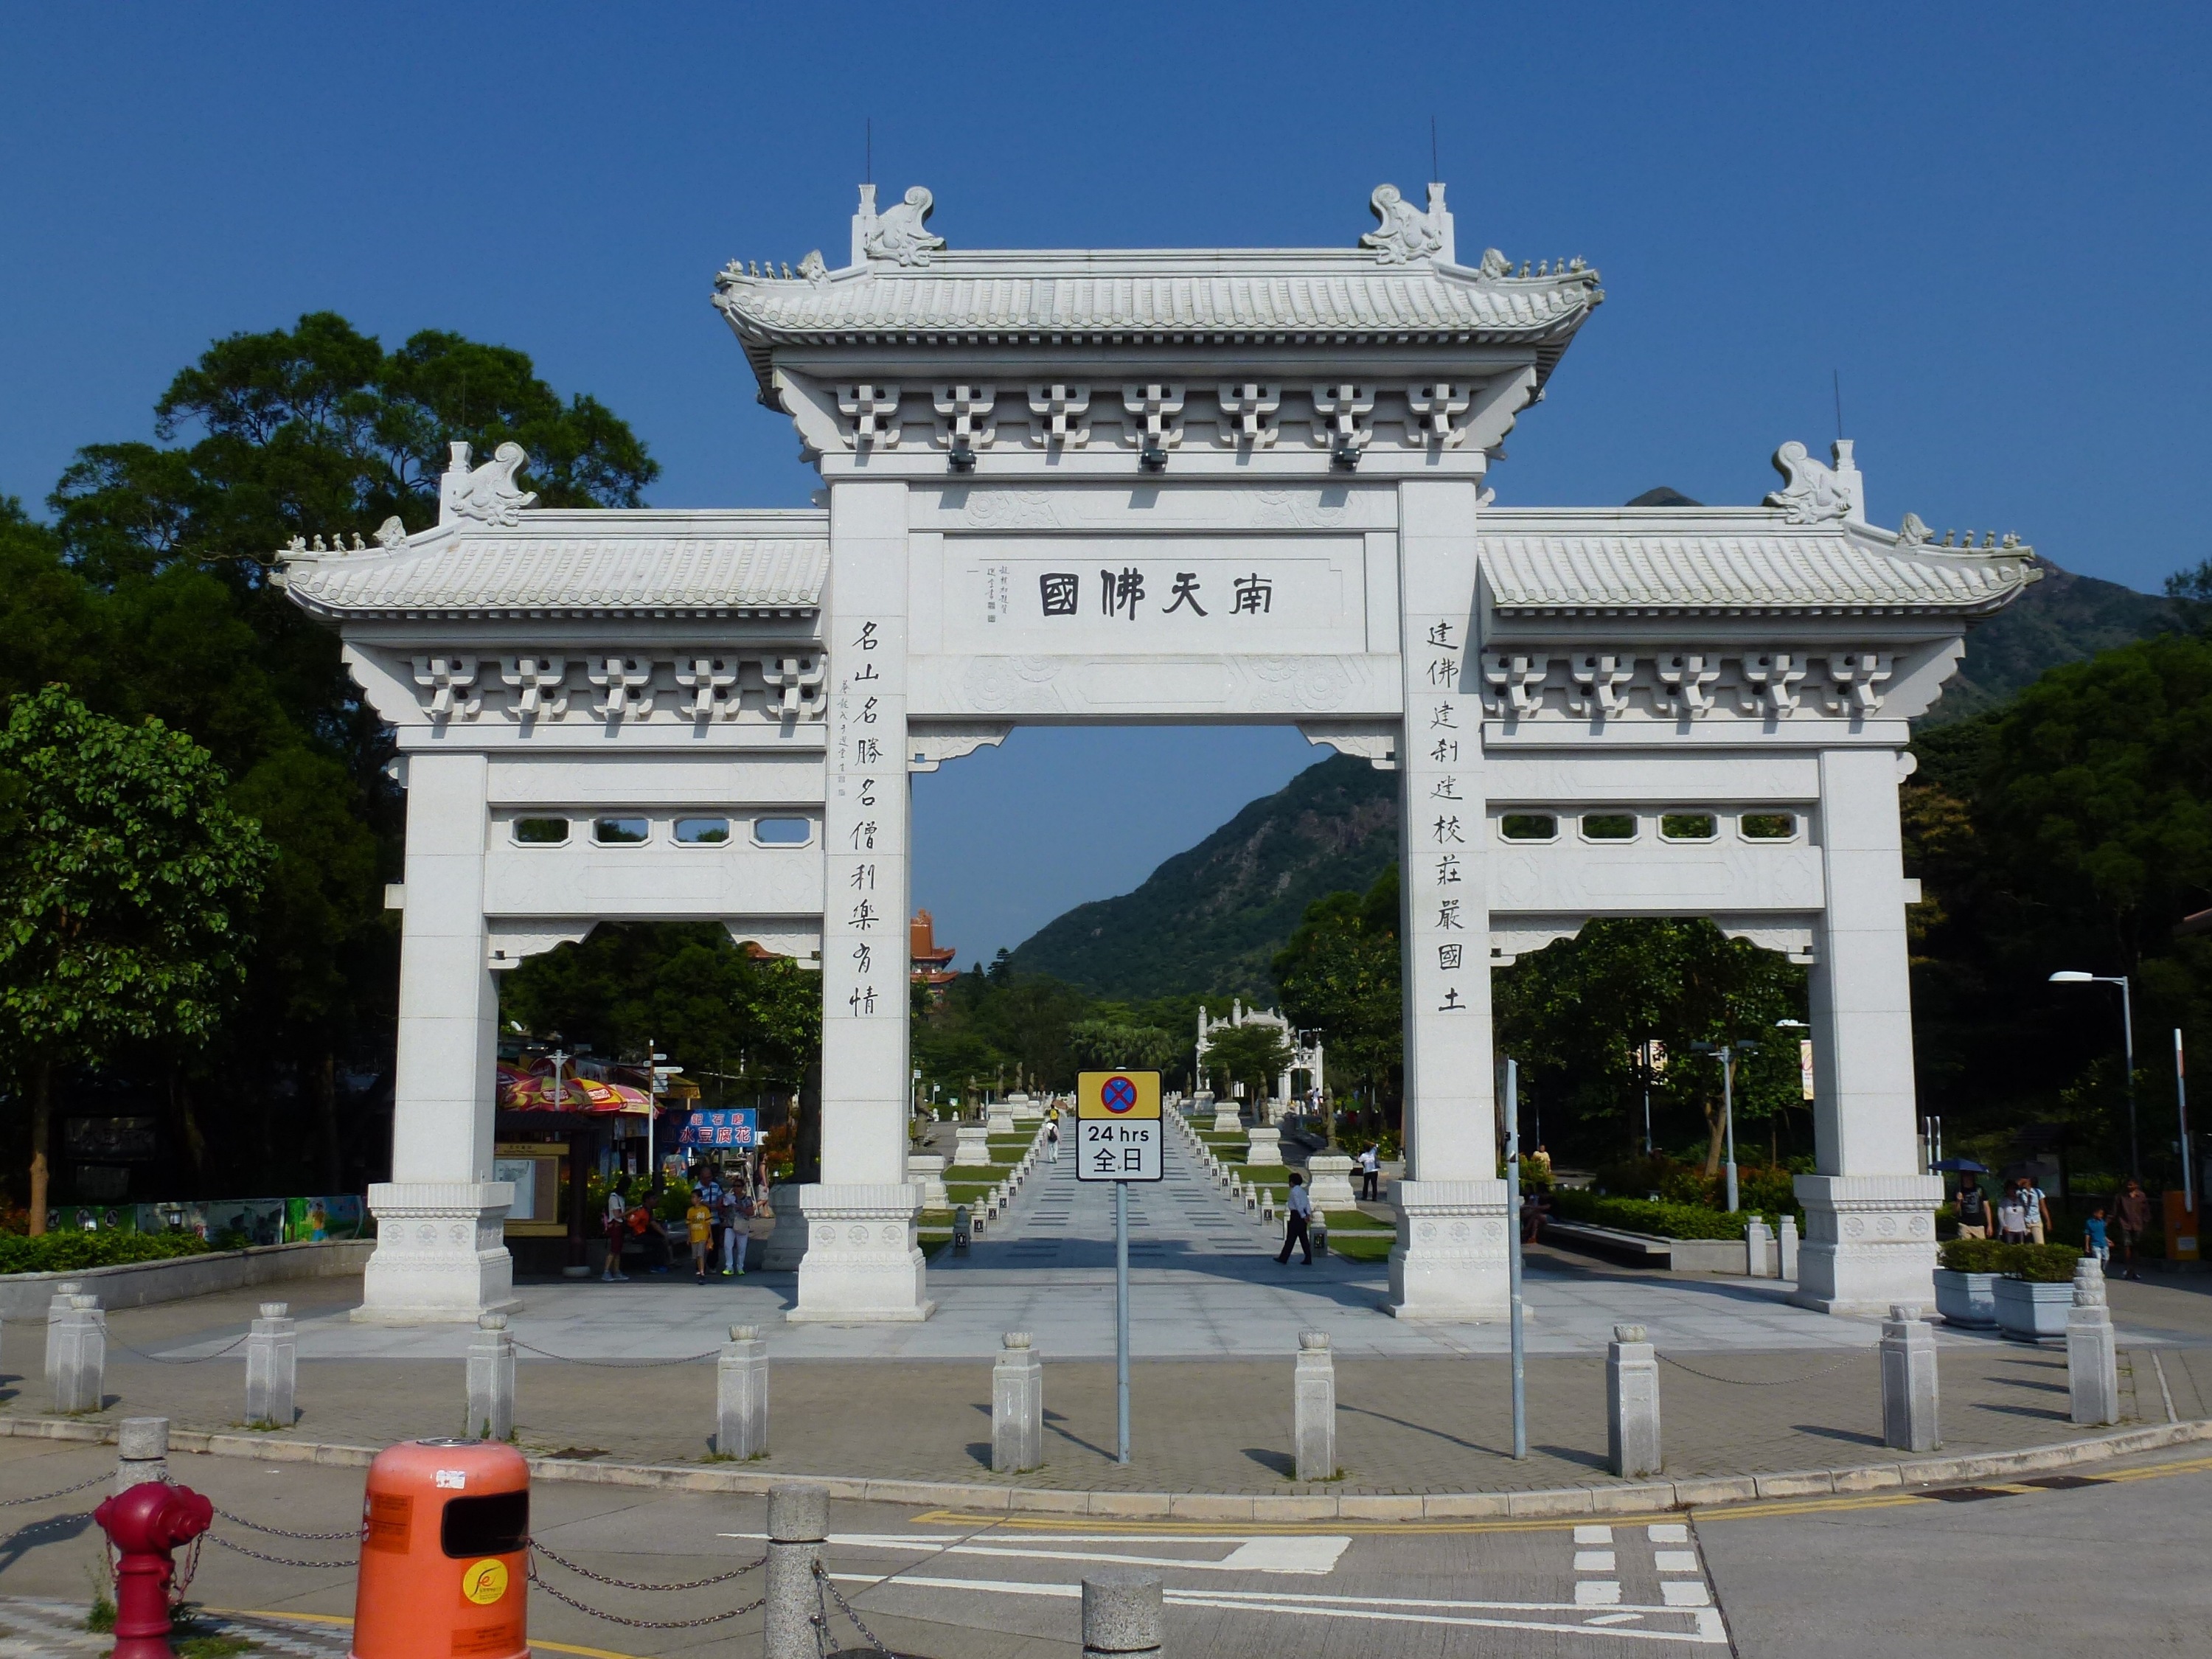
439 1256
862 1265
1870 1242
1449 1263
1330 1178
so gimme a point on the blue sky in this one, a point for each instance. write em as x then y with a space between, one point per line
1991 220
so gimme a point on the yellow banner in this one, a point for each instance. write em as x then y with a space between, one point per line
1117 1095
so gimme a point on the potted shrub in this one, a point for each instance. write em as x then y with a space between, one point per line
1966 1285
2035 1292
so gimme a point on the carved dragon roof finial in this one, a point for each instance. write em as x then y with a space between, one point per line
488 494
1405 232
897 233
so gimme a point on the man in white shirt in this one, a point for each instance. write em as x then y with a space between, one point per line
1297 1212
1370 1172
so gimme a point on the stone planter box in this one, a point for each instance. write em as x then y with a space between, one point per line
1968 1299
2033 1313
141 1284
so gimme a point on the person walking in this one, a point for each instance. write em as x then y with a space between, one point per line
1973 1207
1298 1212
1052 1140
616 1228
2135 1221
726 1222
2038 1207
2095 1239
1370 1172
2012 1217
699 1227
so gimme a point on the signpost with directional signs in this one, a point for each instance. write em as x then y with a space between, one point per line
1119 1137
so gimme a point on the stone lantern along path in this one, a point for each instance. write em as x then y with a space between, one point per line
1063 1222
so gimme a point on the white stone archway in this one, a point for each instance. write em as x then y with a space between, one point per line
1178 486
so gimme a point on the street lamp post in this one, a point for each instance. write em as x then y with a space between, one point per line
2075 976
1727 1052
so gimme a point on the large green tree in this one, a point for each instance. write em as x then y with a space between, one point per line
125 885
1339 975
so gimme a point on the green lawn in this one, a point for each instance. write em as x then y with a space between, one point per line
1361 1247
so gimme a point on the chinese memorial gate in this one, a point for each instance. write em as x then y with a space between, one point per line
1172 486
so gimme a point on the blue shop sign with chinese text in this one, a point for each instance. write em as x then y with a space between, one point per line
736 1127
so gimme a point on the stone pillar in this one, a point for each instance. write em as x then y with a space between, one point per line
272 1368
491 1380
1266 1150
439 1255
784 1247
142 1451
58 1311
78 1378
1757 1248
1870 1213
1631 1403
798 1526
926 1171
1227 1121
1788 1249
1330 1176
2093 1374
999 1119
1908 1381
1312 1408
1016 1406
1450 1260
1122 1614
863 1260
741 1394
971 1146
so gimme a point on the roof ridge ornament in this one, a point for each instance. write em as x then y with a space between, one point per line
1814 493
1405 234
896 235
488 494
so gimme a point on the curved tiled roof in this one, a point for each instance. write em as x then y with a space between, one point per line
594 565
1328 292
1758 565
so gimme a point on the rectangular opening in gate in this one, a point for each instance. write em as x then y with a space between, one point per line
541 832
1769 826
1688 826
1528 826
703 832
1609 826
783 832
621 832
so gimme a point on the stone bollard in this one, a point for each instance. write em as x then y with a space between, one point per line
142 1451
1758 1245
797 1525
58 1309
1631 1402
741 1395
272 1369
2092 1375
1016 1406
1312 1408
1121 1613
491 1380
1908 1381
78 1373
1789 1248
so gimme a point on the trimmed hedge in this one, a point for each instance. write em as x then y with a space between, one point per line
2038 1264
1641 1215
54 1253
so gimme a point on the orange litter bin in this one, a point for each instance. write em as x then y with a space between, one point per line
2182 1224
444 1556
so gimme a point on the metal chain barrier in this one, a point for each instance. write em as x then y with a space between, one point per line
619 1365
1769 1382
282 1561
279 1532
754 1605
822 1578
625 1583
97 1480
197 1359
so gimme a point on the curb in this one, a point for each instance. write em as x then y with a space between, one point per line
1646 1497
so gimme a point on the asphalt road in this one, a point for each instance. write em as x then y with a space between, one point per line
2114 1561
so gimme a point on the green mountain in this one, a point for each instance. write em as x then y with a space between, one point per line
1209 920
2065 617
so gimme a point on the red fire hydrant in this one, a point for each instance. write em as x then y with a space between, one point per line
144 1524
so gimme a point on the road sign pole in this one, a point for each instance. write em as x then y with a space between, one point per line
1513 1255
1121 1320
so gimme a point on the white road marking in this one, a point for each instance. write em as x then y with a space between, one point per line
1594 1561
1704 1629
1612 1619
1676 1560
1667 1532
1312 1556
1598 1593
1593 1535
1679 1593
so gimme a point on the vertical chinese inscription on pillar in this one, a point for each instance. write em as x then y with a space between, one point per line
1447 911
866 831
